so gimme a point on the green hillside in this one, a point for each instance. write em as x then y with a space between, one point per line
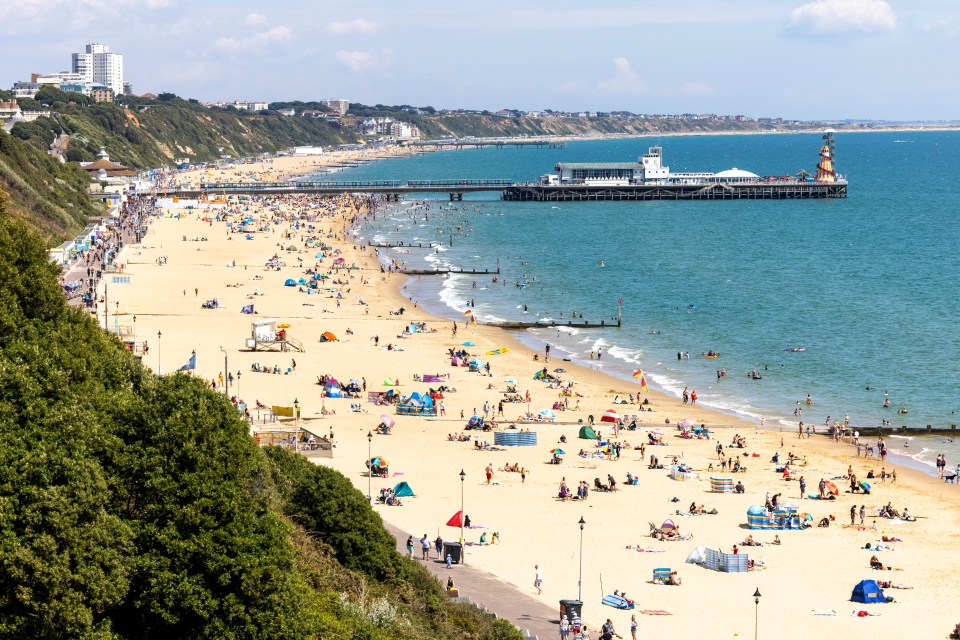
145 133
139 507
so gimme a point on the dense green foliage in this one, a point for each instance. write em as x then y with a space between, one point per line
50 196
138 507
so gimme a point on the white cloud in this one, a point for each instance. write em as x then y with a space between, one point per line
624 81
354 26
254 19
257 42
842 18
360 61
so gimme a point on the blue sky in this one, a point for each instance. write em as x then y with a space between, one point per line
882 59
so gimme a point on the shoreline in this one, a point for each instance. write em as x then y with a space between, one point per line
814 569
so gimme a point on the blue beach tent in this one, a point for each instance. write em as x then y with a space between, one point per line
403 490
867 592
290 282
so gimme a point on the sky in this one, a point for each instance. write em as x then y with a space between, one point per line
817 59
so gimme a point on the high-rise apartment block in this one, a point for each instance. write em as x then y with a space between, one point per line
98 66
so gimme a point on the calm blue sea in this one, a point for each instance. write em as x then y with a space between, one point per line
867 284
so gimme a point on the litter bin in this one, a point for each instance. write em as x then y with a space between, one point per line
454 550
570 608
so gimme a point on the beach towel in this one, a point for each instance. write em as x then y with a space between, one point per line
655 612
824 612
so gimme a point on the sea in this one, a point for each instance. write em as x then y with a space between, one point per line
849 300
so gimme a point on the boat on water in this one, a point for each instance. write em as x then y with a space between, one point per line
650 179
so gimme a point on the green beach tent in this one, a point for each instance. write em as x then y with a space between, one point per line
587 433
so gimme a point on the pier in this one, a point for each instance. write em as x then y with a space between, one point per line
780 190
527 191
499 143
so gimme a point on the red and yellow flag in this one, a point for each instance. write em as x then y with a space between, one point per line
643 381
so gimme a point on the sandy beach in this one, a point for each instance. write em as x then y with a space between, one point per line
810 574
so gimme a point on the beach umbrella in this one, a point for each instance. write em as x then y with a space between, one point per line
832 488
558 452
687 423
547 413
656 432
386 420
283 326
610 416
456 520
329 336
379 461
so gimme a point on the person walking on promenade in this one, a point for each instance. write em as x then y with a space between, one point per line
537 579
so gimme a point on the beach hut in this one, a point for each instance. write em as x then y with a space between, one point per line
868 592
587 433
721 485
403 490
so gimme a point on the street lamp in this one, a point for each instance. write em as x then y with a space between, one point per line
580 581
226 376
238 385
296 416
369 473
159 372
463 547
756 616
134 335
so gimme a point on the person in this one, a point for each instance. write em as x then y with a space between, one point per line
863 513
438 545
450 584
483 538
425 547
633 627
739 488
564 628
853 515
674 579
489 472
538 579
410 547
449 561
607 632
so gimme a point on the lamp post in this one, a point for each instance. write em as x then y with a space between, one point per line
369 473
159 372
756 616
134 335
238 386
580 581
226 376
463 547
296 416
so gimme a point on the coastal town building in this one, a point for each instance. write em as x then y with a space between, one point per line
340 106
25 89
98 65
390 128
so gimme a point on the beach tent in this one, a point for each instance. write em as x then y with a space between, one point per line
456 520
333 391
290 282
587 433
610 416
302 281
721 485
697 556
867 592
403 490
326 336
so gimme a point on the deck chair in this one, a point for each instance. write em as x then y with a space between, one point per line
661 575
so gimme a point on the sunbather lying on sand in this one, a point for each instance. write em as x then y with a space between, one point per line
879 566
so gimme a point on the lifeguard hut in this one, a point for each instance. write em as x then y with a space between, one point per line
268 335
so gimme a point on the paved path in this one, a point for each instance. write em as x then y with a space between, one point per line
487 590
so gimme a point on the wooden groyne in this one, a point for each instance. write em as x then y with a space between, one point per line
403 245
440 272
551 323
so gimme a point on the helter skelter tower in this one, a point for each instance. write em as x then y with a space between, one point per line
825 170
